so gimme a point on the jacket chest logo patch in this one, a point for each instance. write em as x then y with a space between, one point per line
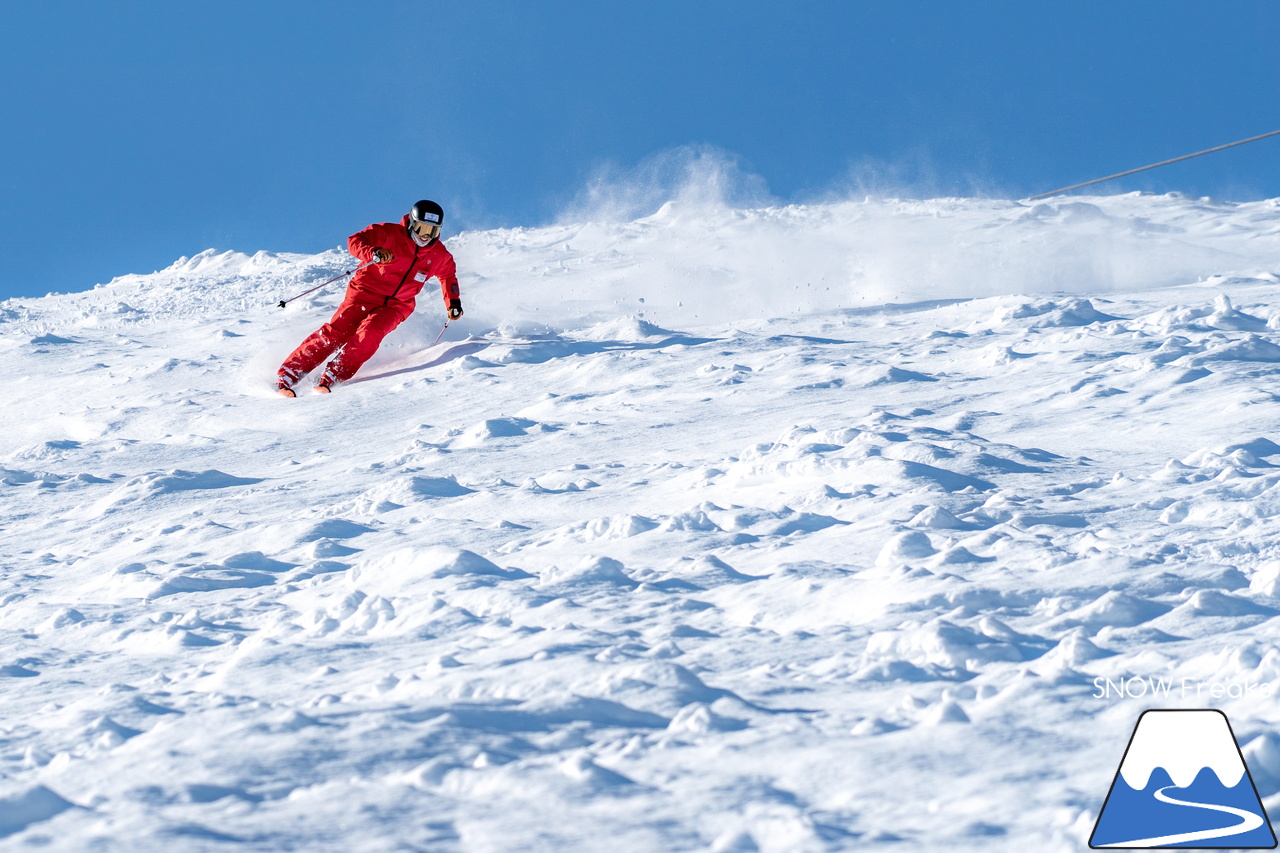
420 276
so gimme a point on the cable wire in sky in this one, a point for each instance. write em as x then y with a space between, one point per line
1154 165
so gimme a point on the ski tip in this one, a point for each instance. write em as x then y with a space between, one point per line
286 392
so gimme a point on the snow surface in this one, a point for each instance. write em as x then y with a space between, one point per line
796 529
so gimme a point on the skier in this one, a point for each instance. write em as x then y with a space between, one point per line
380 296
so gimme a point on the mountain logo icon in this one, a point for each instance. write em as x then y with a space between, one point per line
1182 783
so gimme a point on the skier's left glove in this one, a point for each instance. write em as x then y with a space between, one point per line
455 309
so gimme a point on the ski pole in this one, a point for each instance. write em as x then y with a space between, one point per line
441 335
284 302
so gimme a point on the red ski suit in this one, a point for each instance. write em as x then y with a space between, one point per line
379 298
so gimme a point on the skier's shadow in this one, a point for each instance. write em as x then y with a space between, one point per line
451 353
538 351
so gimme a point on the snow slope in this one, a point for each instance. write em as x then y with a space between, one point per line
793 529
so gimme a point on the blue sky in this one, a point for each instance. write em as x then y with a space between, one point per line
139 132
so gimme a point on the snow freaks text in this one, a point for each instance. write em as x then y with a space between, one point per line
1148 687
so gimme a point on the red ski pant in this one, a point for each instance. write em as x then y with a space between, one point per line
355 331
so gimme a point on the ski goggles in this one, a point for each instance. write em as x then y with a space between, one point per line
426 230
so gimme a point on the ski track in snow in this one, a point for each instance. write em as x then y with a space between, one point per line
712 571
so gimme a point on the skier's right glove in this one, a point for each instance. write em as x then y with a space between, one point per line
381 256
455 309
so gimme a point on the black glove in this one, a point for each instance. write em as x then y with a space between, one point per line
455 309
381 256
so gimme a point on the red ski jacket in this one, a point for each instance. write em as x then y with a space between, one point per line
398 282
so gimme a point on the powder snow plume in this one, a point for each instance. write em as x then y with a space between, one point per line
698 262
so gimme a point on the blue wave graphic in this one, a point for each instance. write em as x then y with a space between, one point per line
1200 809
